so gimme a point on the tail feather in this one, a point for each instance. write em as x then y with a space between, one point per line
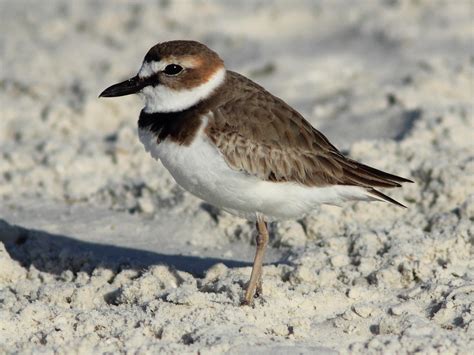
360 178
357 174
382 174
362 175
380 196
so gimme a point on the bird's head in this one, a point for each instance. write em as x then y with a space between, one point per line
174 76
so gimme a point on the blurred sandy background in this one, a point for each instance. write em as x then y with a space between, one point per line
100 251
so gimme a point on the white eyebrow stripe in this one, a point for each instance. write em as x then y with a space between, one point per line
150 68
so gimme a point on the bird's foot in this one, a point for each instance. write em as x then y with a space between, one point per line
251 293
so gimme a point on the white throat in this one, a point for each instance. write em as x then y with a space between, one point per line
163 99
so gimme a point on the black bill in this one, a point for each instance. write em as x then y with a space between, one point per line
127 87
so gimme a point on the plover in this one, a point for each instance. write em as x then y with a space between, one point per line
233 144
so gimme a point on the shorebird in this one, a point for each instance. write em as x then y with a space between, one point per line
230 142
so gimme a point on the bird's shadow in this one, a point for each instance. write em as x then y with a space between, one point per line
55 254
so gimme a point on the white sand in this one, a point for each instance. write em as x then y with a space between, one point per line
100 251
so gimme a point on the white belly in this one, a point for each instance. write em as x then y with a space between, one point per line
202 170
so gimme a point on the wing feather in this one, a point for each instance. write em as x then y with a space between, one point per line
278 144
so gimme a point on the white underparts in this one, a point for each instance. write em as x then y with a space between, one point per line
201 169
161 98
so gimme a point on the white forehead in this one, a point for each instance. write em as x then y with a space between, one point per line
150 68
153 67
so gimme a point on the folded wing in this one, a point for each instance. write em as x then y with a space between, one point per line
261 135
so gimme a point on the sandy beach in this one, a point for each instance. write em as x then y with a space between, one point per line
102 252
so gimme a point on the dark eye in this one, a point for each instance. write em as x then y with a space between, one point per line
173 69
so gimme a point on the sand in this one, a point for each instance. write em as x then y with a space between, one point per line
101 252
